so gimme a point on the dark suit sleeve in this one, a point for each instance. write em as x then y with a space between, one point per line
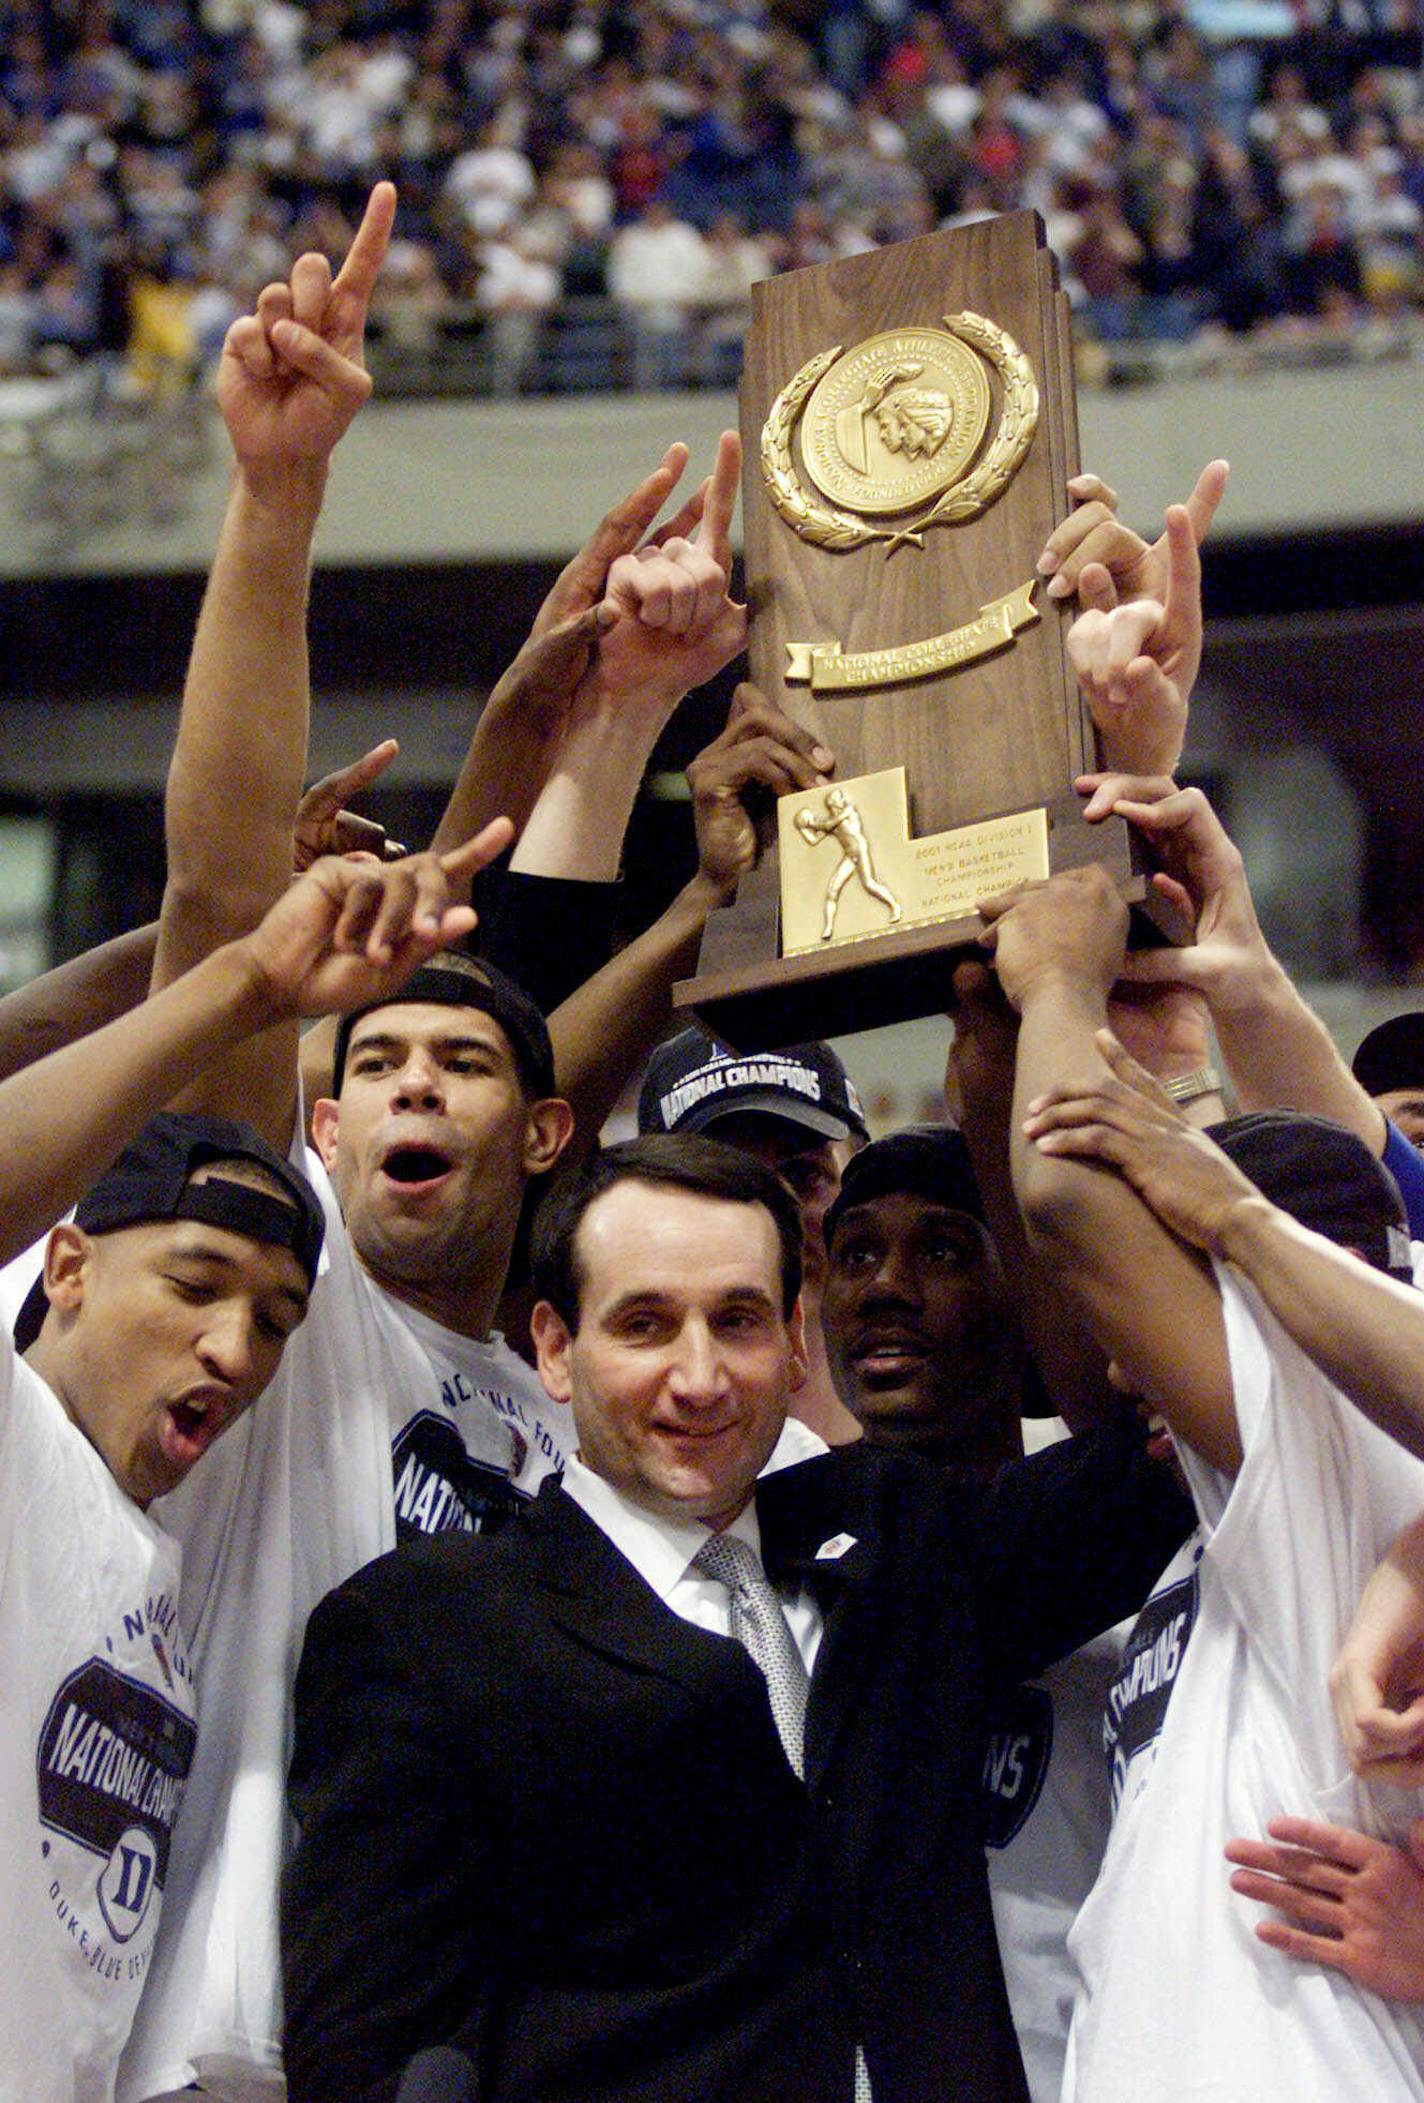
1062 1545
377 1935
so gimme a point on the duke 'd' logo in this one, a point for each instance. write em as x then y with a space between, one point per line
111 1762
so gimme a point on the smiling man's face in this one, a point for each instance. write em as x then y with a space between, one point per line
683 1360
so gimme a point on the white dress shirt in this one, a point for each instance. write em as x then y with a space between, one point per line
662 1550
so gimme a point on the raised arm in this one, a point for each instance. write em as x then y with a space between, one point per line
1364 1330
980 1084
635 621
1276 1050
1150 1303
345 933
289 383
75 998
674 626
604 1031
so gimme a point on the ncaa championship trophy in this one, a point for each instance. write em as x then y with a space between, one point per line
909 424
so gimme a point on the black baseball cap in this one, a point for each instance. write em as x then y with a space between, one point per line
1326 1178
691 1083
454 980
930 1161
152 1180
1392 1056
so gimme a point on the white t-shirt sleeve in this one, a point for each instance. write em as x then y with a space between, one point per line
1320 1494
16 1278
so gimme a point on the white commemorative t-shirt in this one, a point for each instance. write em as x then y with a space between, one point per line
379 1422
95 1749
1048 1814
1178 1999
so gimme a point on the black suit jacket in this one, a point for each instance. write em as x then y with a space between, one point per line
546 1820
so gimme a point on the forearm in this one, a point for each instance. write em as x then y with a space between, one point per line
577 826
236 775
602 1034
1364 1331
1280 1056
508 763
63 1119
75 998
1068 1362
1149 1303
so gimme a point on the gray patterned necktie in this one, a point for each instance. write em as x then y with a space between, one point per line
758 1621
759 1625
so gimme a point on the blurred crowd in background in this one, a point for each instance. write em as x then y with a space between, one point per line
1241 171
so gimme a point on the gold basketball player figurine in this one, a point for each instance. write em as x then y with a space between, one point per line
842 822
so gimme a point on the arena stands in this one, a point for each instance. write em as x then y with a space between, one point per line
589 188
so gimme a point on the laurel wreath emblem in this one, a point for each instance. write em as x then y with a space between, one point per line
826 527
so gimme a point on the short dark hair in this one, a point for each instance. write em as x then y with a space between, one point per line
681 1161
453 979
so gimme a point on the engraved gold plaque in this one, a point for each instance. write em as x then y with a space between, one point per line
850 869
827 669
896 421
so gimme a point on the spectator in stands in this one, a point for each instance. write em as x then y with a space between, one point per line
656 268
946 116
733 261
410 298
518 284
492 183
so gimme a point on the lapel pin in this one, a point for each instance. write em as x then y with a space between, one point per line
832 1550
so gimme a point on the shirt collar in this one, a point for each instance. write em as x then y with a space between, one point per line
660 1549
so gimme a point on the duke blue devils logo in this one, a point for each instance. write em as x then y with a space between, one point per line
111 1762
127 1883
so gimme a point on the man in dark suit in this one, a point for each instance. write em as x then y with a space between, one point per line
552 1815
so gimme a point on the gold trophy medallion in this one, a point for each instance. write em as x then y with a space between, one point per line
896 421
894 425
892 434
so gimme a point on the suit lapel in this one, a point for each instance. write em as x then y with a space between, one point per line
805 1513
599 1600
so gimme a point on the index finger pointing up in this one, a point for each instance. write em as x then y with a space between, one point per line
367 252
714 533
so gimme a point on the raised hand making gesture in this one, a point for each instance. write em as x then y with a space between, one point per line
676 624
292 375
